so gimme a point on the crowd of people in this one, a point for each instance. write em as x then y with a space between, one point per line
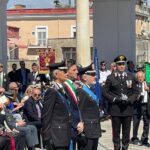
62 106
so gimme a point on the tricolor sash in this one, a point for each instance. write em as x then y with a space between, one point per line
71 90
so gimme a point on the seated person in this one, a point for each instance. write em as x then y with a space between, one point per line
32 108
19 137
29 130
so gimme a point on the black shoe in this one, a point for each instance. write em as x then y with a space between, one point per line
134 141
145 144
31 148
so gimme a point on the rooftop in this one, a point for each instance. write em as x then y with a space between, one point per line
50 11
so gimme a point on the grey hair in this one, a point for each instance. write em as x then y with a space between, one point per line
54 73
141 73
11 84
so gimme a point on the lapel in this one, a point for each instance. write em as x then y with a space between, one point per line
34 107
124 79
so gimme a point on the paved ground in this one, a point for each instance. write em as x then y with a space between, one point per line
105 142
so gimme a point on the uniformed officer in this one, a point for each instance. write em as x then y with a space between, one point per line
90 112
55 113
121 91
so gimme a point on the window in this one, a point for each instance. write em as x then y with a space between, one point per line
69 53
41 35
73 31
13 53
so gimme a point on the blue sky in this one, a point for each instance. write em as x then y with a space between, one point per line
35 3
38 3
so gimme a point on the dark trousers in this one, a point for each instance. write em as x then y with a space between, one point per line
91 145
117 123
50 146
20 140
4 143
105 105
136 123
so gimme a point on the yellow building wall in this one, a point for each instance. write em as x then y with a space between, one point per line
56 29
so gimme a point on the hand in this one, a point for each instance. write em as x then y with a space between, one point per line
80 127
146 88
15 130
21 123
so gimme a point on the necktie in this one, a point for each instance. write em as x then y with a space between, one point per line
121 77
38 110
33 76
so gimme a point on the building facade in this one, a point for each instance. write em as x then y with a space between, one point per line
46 28
56 28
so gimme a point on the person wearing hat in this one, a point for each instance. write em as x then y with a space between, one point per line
56 113
89 111
121 91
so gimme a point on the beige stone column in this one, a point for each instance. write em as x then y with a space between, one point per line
3 33
83 32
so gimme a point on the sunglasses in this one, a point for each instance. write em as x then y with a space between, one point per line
37 95
1 66
121 64
103 64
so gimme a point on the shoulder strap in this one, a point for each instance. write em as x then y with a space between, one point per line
90 93
64 100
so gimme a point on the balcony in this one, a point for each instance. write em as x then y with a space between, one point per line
143 11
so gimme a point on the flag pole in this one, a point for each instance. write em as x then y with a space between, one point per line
97 85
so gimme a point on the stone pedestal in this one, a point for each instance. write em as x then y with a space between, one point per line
114 28
83 32
3 33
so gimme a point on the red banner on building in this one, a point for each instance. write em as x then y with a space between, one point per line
46 57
